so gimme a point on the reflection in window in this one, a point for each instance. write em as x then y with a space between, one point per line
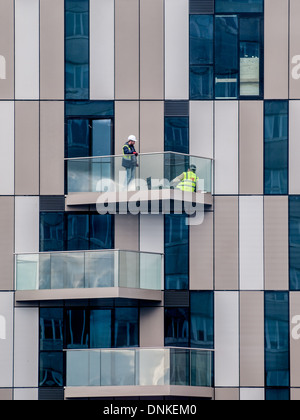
202 320
276 147
176 252
201 56
51 369
77 49
177 327
278 394
126 327
277 339
226 50
236 6
77 329
100 328
177 134
294 242
51 232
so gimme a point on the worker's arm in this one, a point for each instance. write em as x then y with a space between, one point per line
178 179
127 150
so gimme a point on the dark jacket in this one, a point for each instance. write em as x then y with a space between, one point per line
129 159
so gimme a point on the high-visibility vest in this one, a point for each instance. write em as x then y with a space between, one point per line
127 156
189 182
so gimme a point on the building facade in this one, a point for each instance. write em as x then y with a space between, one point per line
149 305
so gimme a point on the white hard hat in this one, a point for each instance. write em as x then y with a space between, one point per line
132 138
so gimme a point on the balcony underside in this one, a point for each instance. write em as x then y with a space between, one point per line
94 293
163 201
138 391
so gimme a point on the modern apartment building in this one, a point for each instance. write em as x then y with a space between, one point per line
145 300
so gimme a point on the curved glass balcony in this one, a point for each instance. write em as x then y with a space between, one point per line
90 274
140 372
87 178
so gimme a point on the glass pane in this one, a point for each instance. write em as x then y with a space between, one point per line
177 134
129 269
126 327
201 39
78 368
67 271
294 242
100 328
100 270
177 327
52 232
51 369
77 49
277 339
201 372
229 6
51 329
153 367
278 394
102 141
226 65
176 253
79 176
201 82
27 272
180 367
101 231
202 320
78 232
118 368
78 138
151 271
45 271
276 147
77 329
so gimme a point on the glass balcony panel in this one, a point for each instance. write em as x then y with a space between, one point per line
27 272
118 368
154 171
67 271
201 368
78 368
100 270
150 271
180 367
153 367
129 270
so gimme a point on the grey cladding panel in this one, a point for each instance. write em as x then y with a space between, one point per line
52 203
51 394
202 7
176 108
177 299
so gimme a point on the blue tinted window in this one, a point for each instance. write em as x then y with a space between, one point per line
176 252
277 339
177 327
100 328
82 109
278 394
126 327
52 232
101 231
201 40
77 324
226 50
202 320
276 147
78 232
294 242
51 329
51 369
177 134
236 6
201 82
77 49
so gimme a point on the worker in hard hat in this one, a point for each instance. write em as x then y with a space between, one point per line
129 161
187 181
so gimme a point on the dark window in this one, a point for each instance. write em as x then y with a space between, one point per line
77 232
202 320
176 253
277 339
126 327
239 6
52 231
294 242
77 49
77 323
100 328
177 327
276 147
51 369
277 394
177 134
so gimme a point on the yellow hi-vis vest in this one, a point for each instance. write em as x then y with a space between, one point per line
189 182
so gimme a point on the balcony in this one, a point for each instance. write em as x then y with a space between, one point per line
89 275
139 372
152 186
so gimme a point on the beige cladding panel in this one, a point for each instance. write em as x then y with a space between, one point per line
276 74
152 327
201 254
294 339
6 49
127 114
227 394
252 368
127 232
152 49
251 148
127 49
52 59
294 49
7 243
226 243
276 243
152 126
27 148
52 148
